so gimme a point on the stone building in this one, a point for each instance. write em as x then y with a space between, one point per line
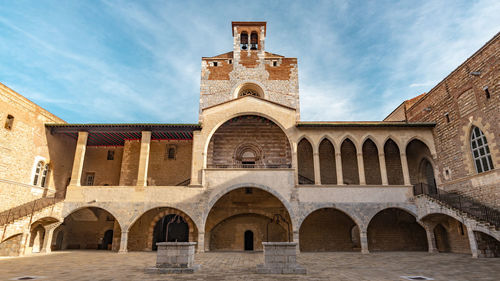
251 171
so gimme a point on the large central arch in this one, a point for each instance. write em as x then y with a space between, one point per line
245 212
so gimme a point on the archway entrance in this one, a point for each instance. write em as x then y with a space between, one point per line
88 228
327 230
244 218
450 235
170 228
154 225
248 240
394 229
421 171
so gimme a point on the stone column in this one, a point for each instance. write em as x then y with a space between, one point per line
361 169
406 171
123 242
49 234
338 165
472 242
383 169
431 239
201 242
317 171
363 239
142 175
81 146
296 239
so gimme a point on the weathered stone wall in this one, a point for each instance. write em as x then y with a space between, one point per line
21 147
461 95
130 162
11 246
164 171
107 172
327 230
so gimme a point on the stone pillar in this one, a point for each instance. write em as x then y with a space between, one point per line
81 146
142 175
201 242
431 239
361 169
383 169
49 234
363 239
296 240
123 242
406 171
472 242
338 165
317 171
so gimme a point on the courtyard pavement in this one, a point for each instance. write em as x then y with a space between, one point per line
103 265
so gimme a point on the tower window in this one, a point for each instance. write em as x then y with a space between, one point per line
486 92
111 155
275 63
215 63
254 41
480 151
447 116
230 61
244 40
9 122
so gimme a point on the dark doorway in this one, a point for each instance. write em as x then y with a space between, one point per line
248 240
178 230
59 240
107 241
441 236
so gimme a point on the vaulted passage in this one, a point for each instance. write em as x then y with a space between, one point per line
249 142
328 230
327 162
88 228
349 162
396 230
161 224
450 235
305 162
371 163
241 212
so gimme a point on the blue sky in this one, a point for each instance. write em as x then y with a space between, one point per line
139 61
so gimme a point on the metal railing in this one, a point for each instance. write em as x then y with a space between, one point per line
460 202
29 208
249 166
305 180
184 183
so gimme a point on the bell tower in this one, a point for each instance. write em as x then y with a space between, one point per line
248 70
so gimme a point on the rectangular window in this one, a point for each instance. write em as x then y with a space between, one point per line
447 116
89 179
215 63
9 122
275 63
486 92
111 155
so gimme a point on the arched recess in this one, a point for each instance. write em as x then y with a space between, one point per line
450 235
371 163
349 157
329 229
243 209
305 162
487 246
393 163
38 235
85 228
328 168
11 246
395 229
417 153
249 135
141 235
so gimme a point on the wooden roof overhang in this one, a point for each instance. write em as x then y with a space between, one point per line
116 134
364 124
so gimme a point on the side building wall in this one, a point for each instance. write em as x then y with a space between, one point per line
457 104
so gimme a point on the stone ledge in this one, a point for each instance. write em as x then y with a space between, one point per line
170 270
297 269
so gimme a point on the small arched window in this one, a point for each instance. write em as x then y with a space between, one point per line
45 174
254 41
244 40
171 152
39 167
480 151
9 122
